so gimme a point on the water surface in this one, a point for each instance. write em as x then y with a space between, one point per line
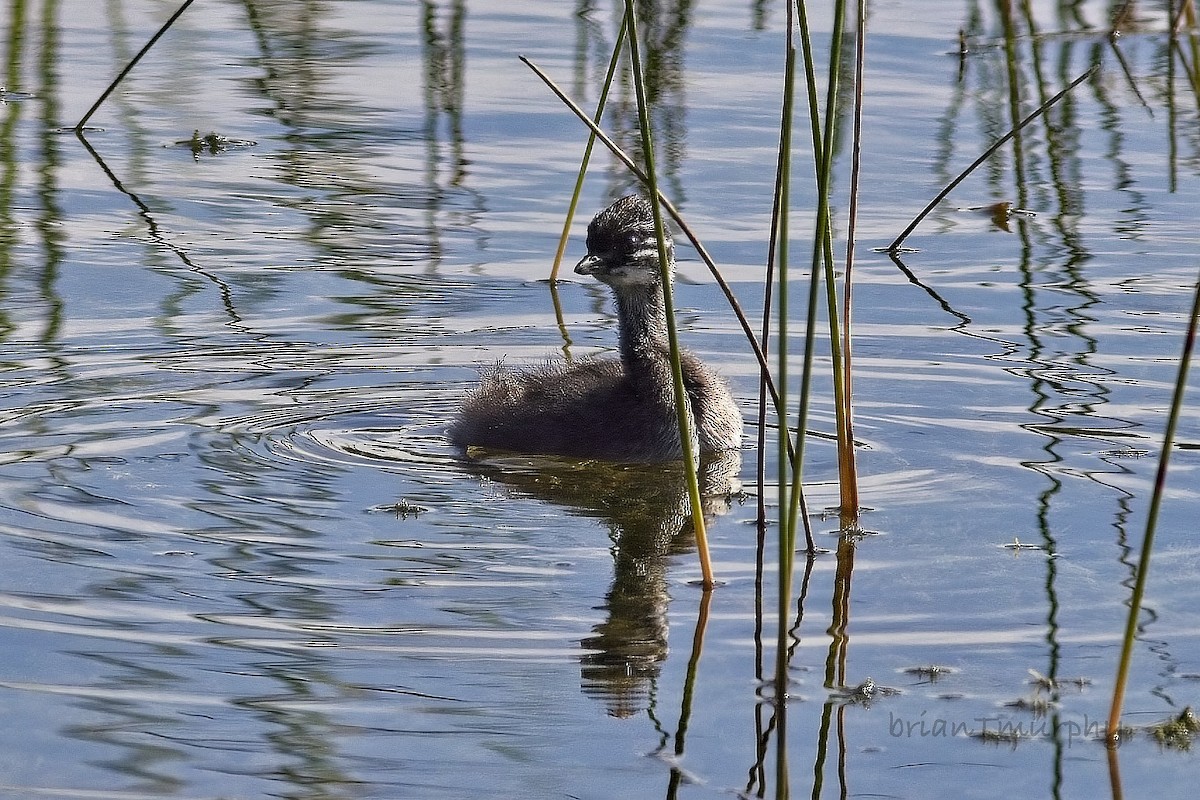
238 558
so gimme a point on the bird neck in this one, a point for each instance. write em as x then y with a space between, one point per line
642 318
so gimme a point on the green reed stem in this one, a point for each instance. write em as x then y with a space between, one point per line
782 161
129 67
1160 483
847 459
822 255
814 118
683 413
779 227
822 154
587 151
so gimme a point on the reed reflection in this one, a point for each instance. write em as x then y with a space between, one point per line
663 26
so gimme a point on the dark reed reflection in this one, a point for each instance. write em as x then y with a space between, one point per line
40 205
646 511
1066 331
9 163
664 26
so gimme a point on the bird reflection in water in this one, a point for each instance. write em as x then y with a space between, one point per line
647 512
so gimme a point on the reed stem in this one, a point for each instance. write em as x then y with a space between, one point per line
1160 483
786 510
682 411
779 228
847 457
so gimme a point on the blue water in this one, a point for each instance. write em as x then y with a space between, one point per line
238 558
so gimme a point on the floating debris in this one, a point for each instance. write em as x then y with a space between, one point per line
1037 705
1017 545
1178 731
1003 735
1000 213
865 693
6 96
1124 453
403 509
1041 681
1044 683
931 673
211 143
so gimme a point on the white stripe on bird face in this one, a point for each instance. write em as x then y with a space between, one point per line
648 252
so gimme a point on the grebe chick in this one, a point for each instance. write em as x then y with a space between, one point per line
603 408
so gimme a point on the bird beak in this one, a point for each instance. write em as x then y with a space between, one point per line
589 265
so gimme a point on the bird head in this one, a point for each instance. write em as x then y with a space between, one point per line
622 247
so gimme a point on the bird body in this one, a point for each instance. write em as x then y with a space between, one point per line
603 408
